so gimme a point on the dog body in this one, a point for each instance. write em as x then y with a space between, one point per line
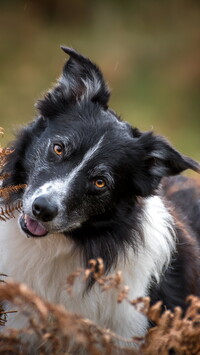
94 189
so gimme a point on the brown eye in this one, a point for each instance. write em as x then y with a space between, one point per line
58 149
99 183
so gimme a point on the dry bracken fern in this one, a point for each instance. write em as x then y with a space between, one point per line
4 177
4 152
6 191
174 332
53 328
7 211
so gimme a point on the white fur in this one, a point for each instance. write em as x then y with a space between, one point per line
90 87
44 264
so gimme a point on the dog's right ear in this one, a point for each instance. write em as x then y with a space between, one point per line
81 79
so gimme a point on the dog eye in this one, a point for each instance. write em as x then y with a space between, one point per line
58 149
100 183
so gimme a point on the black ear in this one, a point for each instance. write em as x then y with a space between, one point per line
81 79
157 159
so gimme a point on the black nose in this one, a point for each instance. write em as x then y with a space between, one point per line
43 209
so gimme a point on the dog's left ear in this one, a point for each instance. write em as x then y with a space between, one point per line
84 78
80 79
158 159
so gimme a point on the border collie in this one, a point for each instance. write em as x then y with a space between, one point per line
97 187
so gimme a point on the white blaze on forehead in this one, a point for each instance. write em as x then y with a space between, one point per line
61 186
86 158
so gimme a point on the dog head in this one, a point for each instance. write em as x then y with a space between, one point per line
83 166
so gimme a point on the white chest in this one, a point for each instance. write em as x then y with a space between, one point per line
44 265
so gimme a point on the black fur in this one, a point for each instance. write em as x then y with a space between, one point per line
136 162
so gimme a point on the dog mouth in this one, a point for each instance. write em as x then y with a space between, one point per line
31 227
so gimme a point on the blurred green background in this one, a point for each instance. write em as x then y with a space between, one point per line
149 51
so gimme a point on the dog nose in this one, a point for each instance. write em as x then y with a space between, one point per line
43 209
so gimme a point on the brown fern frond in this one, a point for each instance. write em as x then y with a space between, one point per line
175 332
6 191
54 328
4 152
96 270
3 316
4 177
6 212
2 162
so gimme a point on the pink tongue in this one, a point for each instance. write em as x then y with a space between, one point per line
34 227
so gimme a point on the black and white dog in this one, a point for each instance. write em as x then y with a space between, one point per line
95 188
